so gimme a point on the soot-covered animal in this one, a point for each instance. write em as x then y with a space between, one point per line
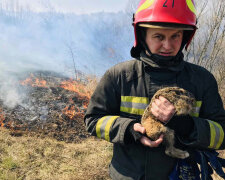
183 102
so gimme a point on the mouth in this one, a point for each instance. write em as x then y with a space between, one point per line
165 53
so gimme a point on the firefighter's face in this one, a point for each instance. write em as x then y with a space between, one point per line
164 42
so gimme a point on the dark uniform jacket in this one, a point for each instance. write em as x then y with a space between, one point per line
121 97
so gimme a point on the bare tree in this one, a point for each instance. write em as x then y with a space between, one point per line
207 48
211 26
71 50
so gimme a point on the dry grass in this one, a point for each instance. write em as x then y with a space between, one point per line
32 158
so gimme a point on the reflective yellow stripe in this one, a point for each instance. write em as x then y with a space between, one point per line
134 99
195 114
103 126
196 108
198 104
212 134
133 105
132 110
191 6
98 126
145 5
108 125
221 135
217 135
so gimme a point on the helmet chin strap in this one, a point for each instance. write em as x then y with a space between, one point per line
167 61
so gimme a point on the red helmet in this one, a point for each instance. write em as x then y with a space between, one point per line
166 14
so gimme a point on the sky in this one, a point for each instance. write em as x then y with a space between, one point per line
66 6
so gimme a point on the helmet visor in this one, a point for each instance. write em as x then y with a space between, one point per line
166 26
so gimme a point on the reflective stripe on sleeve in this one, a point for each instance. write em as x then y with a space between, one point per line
216 134
133 105
103 126
196 109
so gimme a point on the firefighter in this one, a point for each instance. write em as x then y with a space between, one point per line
162 28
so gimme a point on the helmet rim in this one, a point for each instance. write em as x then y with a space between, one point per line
158 25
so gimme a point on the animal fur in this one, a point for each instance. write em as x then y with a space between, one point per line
183 102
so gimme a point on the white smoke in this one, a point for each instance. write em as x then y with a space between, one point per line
56 42
10 93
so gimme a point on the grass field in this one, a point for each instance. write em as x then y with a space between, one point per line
33 158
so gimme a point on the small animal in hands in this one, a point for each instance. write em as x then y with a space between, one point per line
183 102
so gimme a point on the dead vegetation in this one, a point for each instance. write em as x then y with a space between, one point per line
54 107
44 137
34 158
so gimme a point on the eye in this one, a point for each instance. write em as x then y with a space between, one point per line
176 36
159 37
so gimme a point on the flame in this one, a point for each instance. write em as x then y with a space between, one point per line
2 118
83 91
72 111
9 124
77 87
34 82
85 104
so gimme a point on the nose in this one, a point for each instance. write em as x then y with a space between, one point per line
167 44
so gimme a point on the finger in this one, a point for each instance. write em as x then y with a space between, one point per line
166 104
161 104
155 109
164 100
161 136
159 108
158 141
162 112
159 114
147 142
139 128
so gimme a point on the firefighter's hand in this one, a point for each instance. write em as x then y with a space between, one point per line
162 109
145 140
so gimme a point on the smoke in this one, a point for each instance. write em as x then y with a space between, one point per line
10 93
59 43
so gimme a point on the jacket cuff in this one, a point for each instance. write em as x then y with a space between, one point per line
199 137
131 135
124 126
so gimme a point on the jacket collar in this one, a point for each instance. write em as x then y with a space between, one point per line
154 66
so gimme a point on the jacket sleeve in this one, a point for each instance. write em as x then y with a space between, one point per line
209 119
102 118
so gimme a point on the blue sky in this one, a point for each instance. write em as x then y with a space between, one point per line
75 6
